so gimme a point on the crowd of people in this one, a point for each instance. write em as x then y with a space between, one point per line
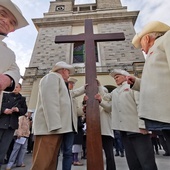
134 117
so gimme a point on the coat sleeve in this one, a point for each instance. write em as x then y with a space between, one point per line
80 111
106 106
106 96
14 73
166 43
141 123
77 92
50 97
23 107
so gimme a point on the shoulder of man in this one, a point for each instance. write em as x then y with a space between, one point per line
5 46
51 75
167 33
6 94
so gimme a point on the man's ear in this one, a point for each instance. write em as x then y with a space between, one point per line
147 38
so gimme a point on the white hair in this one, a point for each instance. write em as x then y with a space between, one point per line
156 35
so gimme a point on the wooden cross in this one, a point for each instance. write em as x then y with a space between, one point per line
93 137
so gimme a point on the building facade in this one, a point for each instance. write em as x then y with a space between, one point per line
66 18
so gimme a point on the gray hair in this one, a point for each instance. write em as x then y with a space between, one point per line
156 35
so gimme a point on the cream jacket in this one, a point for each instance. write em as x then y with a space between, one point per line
77 111
155 82
106 118
7 63
54 110
125 109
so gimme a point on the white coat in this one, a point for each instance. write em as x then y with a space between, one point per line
154 85
7 63
125 109
106 118
77 111
54 109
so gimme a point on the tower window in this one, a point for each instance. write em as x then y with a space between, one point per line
60 8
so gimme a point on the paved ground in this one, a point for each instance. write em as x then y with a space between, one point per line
163 163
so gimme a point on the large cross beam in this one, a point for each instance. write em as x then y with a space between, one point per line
93 137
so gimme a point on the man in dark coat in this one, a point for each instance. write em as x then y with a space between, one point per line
13 106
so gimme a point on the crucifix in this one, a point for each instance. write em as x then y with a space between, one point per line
93 136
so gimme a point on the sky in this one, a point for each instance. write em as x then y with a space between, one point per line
22 41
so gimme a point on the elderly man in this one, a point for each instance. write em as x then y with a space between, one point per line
11 19
53 119
154 85
136 140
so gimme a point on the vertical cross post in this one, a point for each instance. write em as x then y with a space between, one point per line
93 136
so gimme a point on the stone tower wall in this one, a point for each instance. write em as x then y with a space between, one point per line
108 17
46 53
106 4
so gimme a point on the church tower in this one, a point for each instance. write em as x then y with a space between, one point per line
66 18
108 4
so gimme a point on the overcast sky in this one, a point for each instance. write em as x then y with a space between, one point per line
22 41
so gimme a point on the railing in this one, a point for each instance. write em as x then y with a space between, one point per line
106 69
136 68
